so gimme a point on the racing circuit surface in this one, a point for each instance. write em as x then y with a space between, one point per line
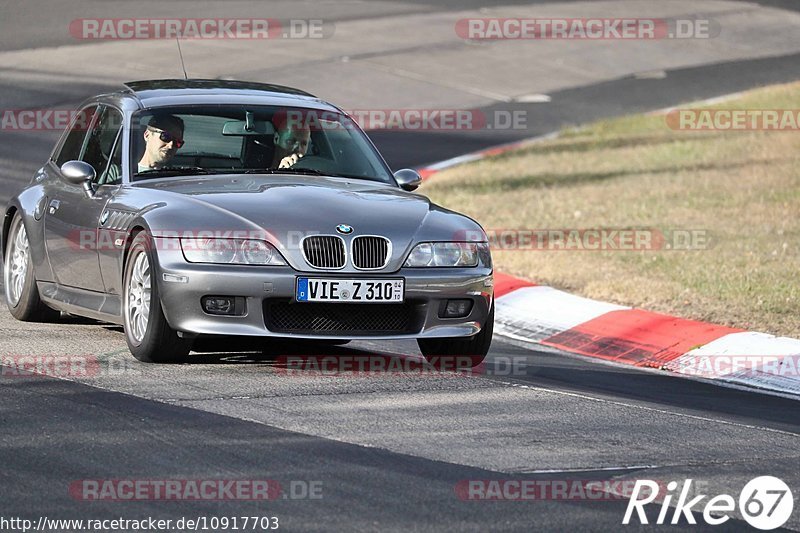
390 451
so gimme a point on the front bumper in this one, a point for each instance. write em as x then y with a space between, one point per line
425 288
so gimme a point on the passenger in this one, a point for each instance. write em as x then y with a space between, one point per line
292 137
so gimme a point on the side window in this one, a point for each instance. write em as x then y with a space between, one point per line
73 143
100 144
113 173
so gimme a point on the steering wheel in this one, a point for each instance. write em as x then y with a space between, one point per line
312 162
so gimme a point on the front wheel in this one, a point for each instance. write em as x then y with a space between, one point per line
150 338
22 294
453 353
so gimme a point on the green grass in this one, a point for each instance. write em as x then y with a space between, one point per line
743 188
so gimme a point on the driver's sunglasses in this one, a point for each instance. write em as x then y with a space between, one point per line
166 137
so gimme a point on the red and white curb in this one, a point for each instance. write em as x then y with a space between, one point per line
617 334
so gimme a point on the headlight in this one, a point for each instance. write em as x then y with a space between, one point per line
445 254
231 251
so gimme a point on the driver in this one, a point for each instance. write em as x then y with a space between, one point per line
292 137
163 137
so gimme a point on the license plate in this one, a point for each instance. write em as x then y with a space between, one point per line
349 290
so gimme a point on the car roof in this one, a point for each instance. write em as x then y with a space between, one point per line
143 86
157 93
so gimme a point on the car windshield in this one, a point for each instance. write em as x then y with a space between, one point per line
192 140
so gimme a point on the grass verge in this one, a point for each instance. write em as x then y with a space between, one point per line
740 188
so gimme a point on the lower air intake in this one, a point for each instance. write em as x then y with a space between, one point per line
341 319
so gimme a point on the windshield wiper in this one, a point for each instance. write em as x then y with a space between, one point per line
356 177
308 171
175 170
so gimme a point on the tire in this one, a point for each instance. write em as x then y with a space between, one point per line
150 338
451 353
22 294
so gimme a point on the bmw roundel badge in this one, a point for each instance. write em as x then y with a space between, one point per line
345 229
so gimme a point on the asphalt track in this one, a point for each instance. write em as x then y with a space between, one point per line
570 107
388 450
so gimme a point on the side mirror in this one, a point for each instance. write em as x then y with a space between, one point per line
79 173
408 179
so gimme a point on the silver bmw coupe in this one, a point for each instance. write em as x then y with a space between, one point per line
183 209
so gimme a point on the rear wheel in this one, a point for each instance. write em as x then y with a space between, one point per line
150 338
453 353
22 294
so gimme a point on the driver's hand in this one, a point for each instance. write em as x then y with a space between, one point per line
289 160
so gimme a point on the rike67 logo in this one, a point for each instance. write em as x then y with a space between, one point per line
765 502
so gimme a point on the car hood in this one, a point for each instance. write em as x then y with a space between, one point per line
288 208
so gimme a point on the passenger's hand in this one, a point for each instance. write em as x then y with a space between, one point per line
289 160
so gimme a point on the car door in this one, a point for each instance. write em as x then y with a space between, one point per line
72 216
